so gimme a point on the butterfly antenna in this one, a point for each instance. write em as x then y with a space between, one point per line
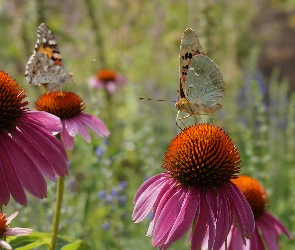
93 61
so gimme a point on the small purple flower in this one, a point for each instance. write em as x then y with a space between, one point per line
101 194
122 185
122 200
106 226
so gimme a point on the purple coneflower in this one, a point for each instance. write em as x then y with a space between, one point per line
267 227
28 149
69 107
196 191
5 230
106 78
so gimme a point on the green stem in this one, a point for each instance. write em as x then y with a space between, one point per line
60 192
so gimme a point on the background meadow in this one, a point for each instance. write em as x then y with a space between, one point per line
252 42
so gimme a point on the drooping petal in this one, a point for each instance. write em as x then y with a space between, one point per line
111 87
29 174
50 121
146 201
236 240
211 226
242 210
168 190
83 130
17 231
185 217
15 187
67 140
269 234
4 244
224 219
94 82
48 145
201 224
146 184
95 124
256 241
71 126
168 217
4 194
37 156
269 218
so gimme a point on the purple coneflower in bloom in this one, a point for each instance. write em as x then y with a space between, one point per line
196 191
5 230
267 227
28 149
69 107
106 78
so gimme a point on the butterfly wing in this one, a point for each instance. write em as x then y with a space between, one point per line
41 70
204 82
189 47
45 66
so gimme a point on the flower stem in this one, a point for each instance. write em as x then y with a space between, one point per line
60 192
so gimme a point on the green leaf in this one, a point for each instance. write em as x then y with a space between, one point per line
77 245
38 239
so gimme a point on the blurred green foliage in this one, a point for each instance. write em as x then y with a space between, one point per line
140 39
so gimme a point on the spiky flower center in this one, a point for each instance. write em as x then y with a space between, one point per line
106 75
65 105
3 223
202 155
11 103
254 193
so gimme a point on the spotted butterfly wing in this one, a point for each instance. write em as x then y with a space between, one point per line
45 67
189 47
204 83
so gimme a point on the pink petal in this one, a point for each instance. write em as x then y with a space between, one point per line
94 82
71 126
146 201
11 217
211 227
268 233
17 231
185 217
168 217
48 145
83 130
277 223
166 193
94 124
201 224
111 87
15 187
242 209
224 219
236 240
67 140
256 241
37 156
50 121
146 184
4 244
29 174
4 194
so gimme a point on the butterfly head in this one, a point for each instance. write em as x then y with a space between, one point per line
184 105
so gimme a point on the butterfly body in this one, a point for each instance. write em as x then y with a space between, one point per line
201 83
45 67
